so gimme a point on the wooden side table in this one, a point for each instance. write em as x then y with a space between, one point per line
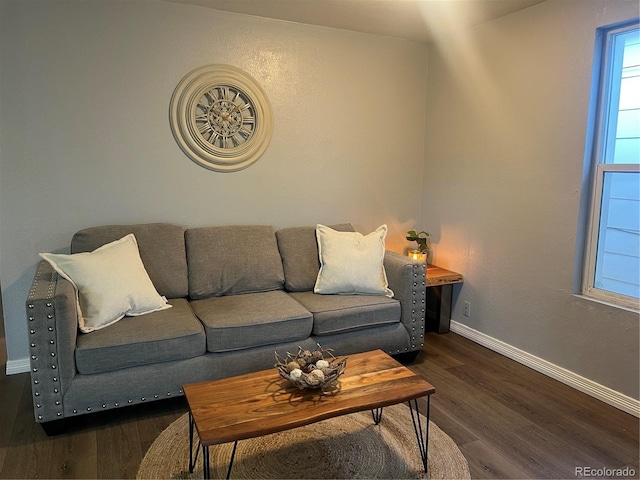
439 297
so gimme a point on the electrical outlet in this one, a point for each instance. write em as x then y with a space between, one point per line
467 309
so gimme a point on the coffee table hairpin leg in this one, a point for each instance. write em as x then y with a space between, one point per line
377 415
206 468
233 454
421 437
205 452
192 458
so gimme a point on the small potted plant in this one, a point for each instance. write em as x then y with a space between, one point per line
422 239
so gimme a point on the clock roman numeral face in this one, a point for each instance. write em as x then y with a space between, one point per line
221 118
225 117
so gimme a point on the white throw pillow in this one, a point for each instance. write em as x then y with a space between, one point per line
351 263
110 282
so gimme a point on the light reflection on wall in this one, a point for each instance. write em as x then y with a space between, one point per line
458 46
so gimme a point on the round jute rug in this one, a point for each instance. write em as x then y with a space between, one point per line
351 446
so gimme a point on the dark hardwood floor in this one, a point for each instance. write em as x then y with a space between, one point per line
512 422
509 421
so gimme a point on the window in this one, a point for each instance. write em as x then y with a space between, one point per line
611 272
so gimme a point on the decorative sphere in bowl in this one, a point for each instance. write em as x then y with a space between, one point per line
311 369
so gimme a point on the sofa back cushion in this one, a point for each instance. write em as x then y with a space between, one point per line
161 247
231 260
299 250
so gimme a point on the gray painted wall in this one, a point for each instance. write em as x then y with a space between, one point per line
85 137
504 146
85 140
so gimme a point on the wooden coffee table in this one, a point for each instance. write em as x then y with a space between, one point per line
261 403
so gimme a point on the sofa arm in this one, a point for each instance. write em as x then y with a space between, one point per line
407 279
52 323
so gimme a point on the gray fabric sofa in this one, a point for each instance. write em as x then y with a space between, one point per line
238 294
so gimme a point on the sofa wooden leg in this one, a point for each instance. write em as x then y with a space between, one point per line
53 428
405 358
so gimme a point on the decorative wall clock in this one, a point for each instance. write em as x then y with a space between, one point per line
221 118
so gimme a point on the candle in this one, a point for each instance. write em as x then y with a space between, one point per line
417 255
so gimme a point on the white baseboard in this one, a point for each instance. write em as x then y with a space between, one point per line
21 365
607 395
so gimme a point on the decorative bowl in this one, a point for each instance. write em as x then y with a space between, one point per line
308 369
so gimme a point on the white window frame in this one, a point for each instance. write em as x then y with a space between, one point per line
601 126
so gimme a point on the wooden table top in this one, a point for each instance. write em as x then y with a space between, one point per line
263 402
440 276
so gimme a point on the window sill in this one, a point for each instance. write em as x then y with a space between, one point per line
608 304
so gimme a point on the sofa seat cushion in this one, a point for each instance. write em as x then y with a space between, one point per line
341 313
164 336
254 319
